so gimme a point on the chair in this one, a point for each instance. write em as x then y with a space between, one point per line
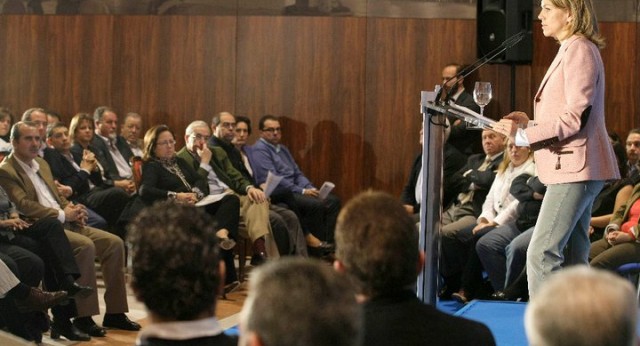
631 271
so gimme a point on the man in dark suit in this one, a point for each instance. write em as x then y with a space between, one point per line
28 181
114 150
83 176
379 251
465 140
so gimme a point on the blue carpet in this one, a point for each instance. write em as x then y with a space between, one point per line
504 319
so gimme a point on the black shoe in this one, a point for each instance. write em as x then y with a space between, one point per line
258 259
78 291
499 295
87 325
39 300
68 330
119 321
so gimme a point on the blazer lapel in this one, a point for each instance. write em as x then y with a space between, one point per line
26 181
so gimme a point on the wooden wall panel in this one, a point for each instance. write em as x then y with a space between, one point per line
348 88
311 72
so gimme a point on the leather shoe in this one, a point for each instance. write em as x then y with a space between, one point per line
38 300
258 259
68 330
325 246
119 321
78 291
88 326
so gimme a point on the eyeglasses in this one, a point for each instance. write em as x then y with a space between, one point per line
200 137
228 125
273 129
166 143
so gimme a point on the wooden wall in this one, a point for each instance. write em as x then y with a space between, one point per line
348 88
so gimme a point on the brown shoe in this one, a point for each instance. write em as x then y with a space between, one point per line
39 300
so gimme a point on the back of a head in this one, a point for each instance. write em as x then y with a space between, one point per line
377 242
175 261
298 301
582 306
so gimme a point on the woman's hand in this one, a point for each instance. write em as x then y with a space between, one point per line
14 224
186 197
618 237
508 126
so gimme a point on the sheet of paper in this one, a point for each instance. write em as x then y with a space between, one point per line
325 189
210 199
271 183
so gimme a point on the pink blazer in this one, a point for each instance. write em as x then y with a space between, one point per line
573 82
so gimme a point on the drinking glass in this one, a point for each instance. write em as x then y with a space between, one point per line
482 95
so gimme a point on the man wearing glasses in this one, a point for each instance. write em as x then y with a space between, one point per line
268 155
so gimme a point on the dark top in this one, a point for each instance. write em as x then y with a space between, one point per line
522 188
66 174
105 158
482 180
466 141
217 340
157 181
402 319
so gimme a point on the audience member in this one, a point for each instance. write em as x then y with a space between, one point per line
166 176
213 164
114 149
582 306
6 120
38 116
633 152
620 243
20 174
452 161
52 117
459 259
467 141
268 155
379 252
84 178
298 301
176 273
131 131
473 183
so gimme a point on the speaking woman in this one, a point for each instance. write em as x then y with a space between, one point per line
572 151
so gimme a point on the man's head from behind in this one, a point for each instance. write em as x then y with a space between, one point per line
582 306
298 301
176 267
377 244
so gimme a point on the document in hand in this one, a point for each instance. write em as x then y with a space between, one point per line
271 183
325 189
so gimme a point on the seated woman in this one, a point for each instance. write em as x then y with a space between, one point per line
620 244
166 176
499 209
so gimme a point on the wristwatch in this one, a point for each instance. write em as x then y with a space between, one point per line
172 195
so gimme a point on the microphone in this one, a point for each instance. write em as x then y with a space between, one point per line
508 43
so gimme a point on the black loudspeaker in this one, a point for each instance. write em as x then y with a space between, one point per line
498 20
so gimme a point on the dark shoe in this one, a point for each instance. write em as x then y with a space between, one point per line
88 326
232 287
499 295
39 300
459 297
321 250
326 246
68 330
78 291
258 259
119 321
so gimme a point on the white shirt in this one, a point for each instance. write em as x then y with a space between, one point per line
124 170
181 330
45 195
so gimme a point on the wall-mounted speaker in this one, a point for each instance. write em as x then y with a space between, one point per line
498 20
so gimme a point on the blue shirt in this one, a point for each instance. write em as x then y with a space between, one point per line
265 157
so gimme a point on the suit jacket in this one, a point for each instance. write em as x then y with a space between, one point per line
481 180
221 166
21 190
105 158
157 181
571 147
66 174
402 319
467 141
235 157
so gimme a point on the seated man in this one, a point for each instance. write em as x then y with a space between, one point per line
28 181
268 155
131 130
379 251
213 164
298 301
84 178
582 306
177 274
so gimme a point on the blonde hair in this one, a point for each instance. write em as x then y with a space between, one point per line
584 20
